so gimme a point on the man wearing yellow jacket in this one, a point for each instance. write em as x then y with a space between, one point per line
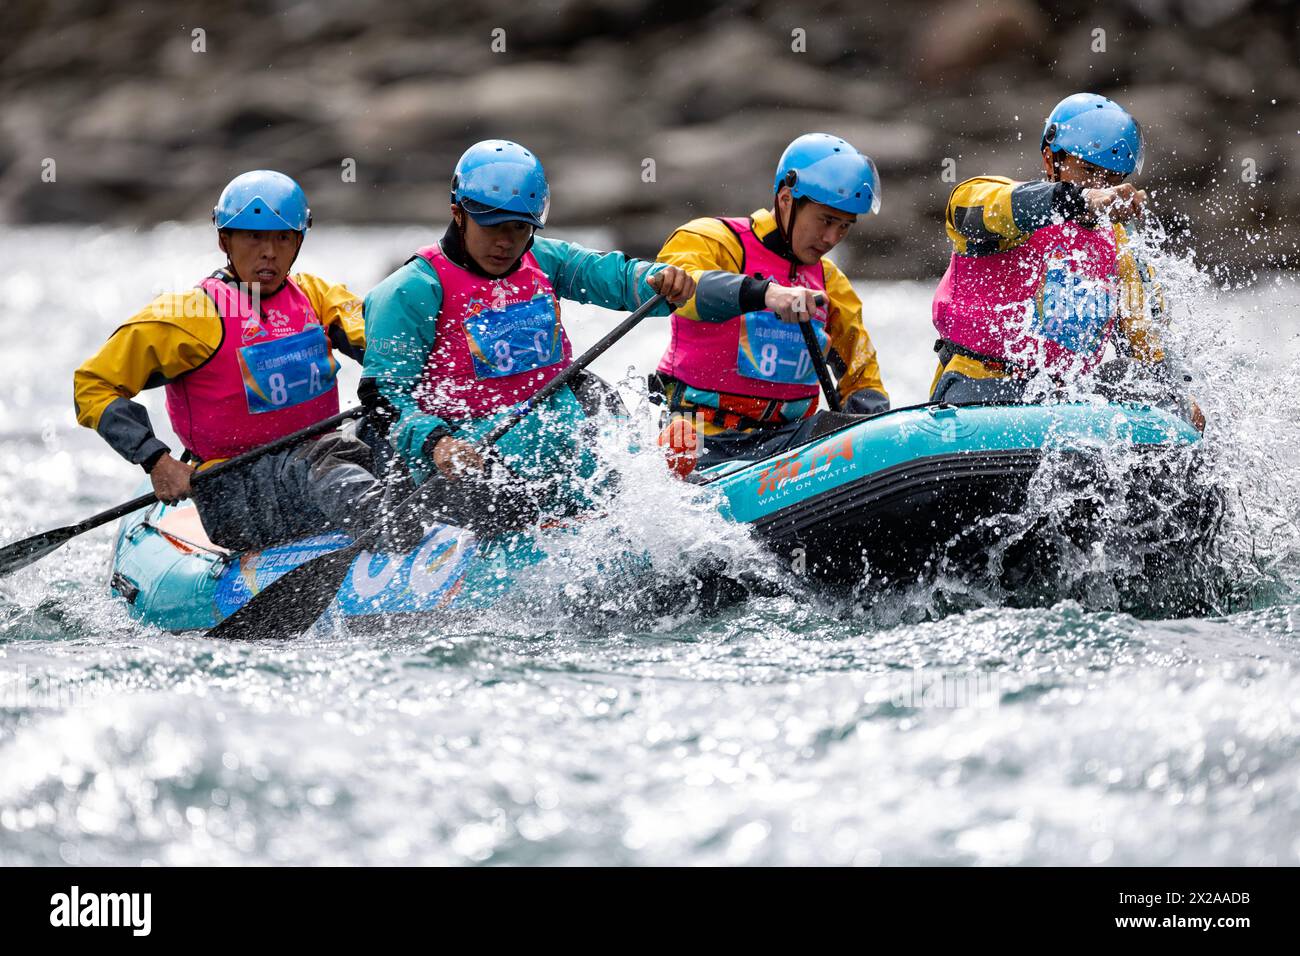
1043 275
737 379
246 357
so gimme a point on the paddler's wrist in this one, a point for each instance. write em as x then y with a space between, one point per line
753 294
154 457
1068 202
431 440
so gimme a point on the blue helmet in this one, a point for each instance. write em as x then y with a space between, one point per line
1096 130
262 200
829 170
499 181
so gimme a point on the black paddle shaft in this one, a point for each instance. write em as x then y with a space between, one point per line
24 552
292 603
819 361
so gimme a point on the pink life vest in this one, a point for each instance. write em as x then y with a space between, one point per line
498 340
754 354
1049 303
272 374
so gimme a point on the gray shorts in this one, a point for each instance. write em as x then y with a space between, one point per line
321 485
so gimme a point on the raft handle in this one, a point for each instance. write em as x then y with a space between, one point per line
124 587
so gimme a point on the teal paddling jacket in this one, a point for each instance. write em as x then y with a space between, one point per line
400 319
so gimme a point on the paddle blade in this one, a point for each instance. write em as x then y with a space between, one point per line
290 604
22 553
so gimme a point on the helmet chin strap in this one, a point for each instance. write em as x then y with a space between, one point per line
787 230
230 262
1056 166
460 223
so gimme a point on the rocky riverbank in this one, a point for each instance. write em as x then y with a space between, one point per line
645 114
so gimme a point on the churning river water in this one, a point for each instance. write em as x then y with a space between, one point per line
793 727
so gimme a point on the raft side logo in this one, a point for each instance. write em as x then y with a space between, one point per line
786 470
132 910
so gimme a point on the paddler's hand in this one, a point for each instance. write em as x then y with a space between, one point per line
1118 203
792 304
1198 416
171 479
455 458
674 284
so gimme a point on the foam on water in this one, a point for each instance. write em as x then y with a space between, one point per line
584 722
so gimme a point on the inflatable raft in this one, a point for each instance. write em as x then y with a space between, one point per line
887 494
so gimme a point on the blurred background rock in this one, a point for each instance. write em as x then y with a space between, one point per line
144 129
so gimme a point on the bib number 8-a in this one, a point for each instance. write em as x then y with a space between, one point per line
303 370
280 389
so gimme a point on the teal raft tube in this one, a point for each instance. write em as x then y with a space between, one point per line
883 492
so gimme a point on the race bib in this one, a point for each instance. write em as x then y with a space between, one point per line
774 351
519 338
281 373
1073 309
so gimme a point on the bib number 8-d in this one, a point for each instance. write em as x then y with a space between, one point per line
774 351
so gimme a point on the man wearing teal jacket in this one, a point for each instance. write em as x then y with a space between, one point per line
469 328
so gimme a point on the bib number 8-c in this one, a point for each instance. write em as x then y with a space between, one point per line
519 338
505 361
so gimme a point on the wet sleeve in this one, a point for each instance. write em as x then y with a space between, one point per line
340 312
608 279
173 335
401 316
712 254
992 213
852 355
